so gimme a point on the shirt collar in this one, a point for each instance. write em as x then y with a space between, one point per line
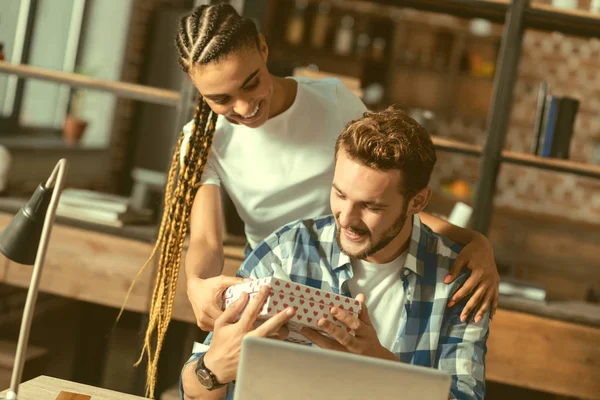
412 258
343 258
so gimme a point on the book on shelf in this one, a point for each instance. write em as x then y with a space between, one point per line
565 121
548 125
553 125
100 208
539 116
97 200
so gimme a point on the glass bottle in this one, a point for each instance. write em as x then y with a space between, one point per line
319 33
344 37
378 49
295 28
566 4
362 45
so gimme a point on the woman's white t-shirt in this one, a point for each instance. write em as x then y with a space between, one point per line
282 171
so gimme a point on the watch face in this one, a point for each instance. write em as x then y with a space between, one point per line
205 378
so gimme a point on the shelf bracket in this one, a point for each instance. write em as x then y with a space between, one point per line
499 115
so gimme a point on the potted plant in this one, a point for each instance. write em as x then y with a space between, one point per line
74 126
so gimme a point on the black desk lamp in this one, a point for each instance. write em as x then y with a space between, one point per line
25 241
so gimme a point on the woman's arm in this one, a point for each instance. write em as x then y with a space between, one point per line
477 255
204 259
455 233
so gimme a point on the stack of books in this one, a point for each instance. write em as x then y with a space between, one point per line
100 208
554 121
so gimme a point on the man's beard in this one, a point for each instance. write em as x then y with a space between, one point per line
386 238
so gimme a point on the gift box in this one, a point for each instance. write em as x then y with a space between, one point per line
311 304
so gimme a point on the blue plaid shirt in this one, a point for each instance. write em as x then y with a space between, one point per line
430 335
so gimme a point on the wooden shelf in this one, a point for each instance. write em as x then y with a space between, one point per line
571 22
494 11
399 64
387 9
528 160
454 146
325 60
464 75
122 89
538 16
552 164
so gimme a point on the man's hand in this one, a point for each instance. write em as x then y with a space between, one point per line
205 296
484 281
364 341
223 356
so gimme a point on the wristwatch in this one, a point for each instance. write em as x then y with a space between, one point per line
205 376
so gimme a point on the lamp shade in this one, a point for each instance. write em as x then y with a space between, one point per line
20 239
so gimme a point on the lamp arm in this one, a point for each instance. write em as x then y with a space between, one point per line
51 182
57 180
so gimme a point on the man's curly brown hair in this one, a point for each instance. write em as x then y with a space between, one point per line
390 139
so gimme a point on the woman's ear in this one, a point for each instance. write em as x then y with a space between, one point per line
262 47
419 201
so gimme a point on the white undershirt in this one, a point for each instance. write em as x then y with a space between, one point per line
382 286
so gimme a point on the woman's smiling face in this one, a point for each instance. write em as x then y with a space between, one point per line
237 86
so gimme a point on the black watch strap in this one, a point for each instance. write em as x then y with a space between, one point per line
205 376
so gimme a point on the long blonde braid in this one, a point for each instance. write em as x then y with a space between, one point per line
173 231
206 35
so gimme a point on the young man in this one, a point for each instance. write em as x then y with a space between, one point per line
375 248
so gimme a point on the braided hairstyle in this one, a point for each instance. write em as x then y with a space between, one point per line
206 35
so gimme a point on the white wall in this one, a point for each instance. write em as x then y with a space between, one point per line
9 12
101 54
102 51
48 46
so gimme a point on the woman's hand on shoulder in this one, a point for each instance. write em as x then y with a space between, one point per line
482 284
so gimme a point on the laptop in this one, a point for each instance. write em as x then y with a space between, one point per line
270 369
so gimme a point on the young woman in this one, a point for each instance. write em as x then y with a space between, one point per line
269 142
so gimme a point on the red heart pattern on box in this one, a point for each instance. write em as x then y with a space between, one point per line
311 304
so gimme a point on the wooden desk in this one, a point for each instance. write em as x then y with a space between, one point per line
99 268
544 354
88 266
46 387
